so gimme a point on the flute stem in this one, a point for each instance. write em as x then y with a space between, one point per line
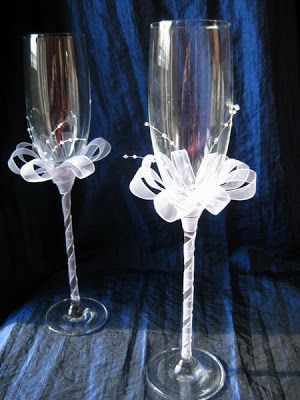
189 225
73 281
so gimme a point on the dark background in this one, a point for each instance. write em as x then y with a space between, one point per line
113 229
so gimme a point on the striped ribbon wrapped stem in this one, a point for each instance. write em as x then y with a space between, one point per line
189 225
65 191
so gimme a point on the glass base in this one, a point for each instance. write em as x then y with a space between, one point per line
174 378
76 319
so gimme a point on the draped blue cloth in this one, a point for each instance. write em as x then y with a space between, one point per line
118 36
247 286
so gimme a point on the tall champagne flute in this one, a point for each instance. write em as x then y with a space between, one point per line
58 103
190 109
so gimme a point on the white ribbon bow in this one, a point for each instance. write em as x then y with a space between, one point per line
39 170
179 192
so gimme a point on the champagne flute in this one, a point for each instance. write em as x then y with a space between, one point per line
190 115
58 103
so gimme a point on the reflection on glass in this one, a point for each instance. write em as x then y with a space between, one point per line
57 95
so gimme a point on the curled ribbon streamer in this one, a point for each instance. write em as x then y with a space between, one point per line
178 192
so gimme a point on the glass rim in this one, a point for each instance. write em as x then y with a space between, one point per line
194 23
54 34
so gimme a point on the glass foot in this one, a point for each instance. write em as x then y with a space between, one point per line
76 320
174 378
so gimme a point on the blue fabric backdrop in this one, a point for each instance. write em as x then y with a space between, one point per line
247 258
118 36
112 225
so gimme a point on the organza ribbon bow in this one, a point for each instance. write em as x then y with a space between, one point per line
177 191
40 170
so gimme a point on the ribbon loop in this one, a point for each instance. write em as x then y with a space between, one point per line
219 179
38 170
97 149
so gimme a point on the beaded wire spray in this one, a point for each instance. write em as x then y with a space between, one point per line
56 147
232 111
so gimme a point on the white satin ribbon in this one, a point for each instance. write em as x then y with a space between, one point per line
38 170
178 192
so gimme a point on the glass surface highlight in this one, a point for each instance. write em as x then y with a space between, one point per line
57 94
